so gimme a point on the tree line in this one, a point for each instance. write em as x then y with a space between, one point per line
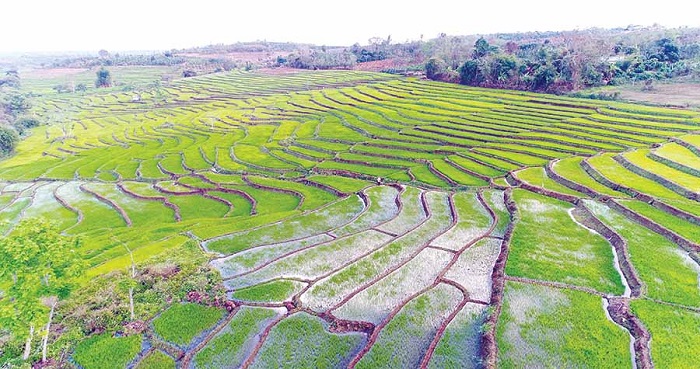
551 67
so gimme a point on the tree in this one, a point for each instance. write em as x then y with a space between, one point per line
42 268
482 48
471 73
503 69
11 79
435 68
80 87
8 140
544 77
104 78
16 104
24 123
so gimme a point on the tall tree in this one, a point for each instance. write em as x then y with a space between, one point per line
104 78
42 268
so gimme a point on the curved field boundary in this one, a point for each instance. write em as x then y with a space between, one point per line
194 190
559 285
285 191
619 244
439 279
489 349
511 178
232 234
109 202
440 175
223 324
172 175
218 187
261 340
619 310
396 267
229 204
467 171
299 250
694 149
323 187
684 243
162 199
296 298
678 166
657 178
375 334
549 169
600 178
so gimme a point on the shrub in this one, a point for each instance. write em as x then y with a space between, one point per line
8 140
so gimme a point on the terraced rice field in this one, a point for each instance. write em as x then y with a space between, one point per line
366 220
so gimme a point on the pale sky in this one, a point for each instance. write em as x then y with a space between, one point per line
90 25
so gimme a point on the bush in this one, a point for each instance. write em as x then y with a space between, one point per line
435 68
24 123
8 140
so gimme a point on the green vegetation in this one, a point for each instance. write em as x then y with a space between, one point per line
557 328
157 360
682 227
254 186
267 292
563 251
107 352
537 177
301 341
667 272
402 342
675 332
459 345
229 347
570 168
177 326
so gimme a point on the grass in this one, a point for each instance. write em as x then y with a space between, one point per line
682 227
382 207
667 272
275 130
472 220
457 175
177 326
229 348
342 184
679 154
536 176
543 326
314 262
275 291
615 172
392 254
157 360
106 352
675 333
402 342
301 341
338 213
639 158
563 251
459 345
570 168
312 197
